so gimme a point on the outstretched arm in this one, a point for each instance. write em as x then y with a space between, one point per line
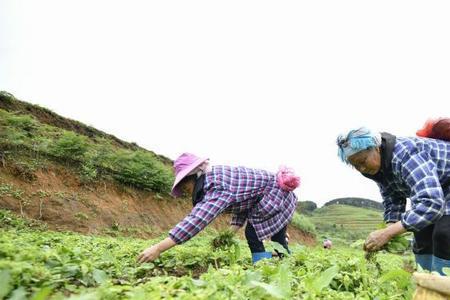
201 215
153 252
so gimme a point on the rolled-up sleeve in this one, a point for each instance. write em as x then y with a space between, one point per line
201 215
427 198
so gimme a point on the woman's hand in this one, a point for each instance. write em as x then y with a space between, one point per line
377 239
288 237
149 254
153 252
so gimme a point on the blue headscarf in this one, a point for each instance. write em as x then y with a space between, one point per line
355 141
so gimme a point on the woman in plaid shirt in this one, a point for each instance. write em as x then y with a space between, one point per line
262 200
407 167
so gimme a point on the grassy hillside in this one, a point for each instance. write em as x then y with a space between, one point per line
344 221
358 202
28 144
45 116
75 177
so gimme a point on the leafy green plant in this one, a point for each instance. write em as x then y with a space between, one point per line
89 267
323 280
23 122
398 244
226 240
6 189
70 146
88 172
142 170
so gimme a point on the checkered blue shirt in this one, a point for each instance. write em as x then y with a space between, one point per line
420 168
249 194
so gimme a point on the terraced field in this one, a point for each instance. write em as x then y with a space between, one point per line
346 221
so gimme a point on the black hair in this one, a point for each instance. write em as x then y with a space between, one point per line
187 179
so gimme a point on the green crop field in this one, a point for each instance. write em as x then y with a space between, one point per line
345 221
39 264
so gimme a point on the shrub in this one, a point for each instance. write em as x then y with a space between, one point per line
70 146
88 169
6 97
142 170
88 172
23 122
303 223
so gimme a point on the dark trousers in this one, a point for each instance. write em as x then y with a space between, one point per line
434 239
256 245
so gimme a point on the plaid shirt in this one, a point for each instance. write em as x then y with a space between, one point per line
420 167
249 194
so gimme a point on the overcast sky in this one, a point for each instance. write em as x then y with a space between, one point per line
254 83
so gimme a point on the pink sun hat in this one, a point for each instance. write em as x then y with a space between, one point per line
183 166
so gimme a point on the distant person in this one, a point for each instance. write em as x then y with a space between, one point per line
327 244
406 167
264 200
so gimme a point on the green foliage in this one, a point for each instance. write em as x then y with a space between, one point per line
398 244
345 222
143 170
399 276
358 202
16 193
88 172
5 283
53 265
306 207
303 223
6 189
6 97
70 146
94 158
22 122
324 280
224 240
8 220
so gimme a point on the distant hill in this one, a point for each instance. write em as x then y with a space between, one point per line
358 202
306 207
348 222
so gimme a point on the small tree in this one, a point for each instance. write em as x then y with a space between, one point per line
70 146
